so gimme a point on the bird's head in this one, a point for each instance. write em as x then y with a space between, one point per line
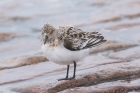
47 30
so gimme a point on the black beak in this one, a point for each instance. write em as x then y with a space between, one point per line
46 37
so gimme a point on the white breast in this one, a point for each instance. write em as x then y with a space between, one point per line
63 56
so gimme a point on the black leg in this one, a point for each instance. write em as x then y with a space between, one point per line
74 69
66 75
67 71
73 72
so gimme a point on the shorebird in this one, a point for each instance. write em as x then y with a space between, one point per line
67 45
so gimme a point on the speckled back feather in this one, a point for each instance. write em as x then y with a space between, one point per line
75 39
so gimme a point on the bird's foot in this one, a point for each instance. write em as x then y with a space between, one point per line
62 79
66 78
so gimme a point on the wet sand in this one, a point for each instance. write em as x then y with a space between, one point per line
113 67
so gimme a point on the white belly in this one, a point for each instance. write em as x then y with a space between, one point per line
63 56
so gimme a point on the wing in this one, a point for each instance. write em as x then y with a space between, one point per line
76 39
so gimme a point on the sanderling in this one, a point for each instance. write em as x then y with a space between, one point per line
67 45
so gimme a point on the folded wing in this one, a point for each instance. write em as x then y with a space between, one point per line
76 39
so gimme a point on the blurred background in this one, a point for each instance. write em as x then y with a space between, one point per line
21 22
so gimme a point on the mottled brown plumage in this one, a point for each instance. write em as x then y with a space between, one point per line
76 39
72 38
